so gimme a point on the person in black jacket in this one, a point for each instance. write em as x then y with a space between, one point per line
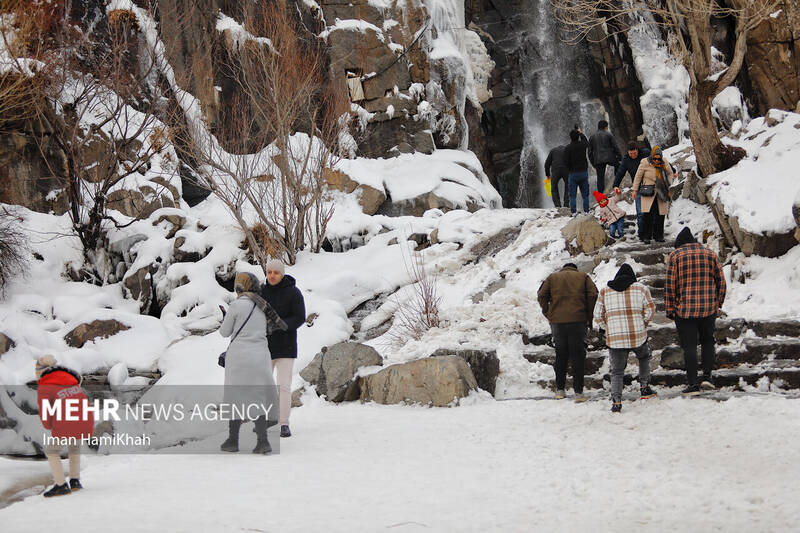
555 168
578 169
283 295
630 164
603 151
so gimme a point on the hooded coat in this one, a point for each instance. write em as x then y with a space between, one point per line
288 302
624 308
62 384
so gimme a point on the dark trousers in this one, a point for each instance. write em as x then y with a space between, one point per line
578 179
568 339
601 174
556 177
652 223
690 331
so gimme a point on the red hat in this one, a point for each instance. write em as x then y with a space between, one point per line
600 197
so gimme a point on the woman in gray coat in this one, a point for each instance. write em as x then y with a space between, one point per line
248 376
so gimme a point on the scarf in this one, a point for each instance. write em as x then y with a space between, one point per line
274 322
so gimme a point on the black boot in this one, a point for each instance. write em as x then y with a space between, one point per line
232 444
285 431
262 443
57 490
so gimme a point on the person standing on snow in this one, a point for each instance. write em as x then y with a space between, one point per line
282 294
567 299
603 151
578 169
624 309
611 214
652 182
694 292
556 170
248 379
59 384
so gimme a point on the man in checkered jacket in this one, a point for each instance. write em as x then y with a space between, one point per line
624 309
694 293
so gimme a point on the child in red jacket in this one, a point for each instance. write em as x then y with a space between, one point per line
611 213
59 384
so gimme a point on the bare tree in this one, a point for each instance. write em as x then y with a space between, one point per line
690 22
283 132
13 248
418 311
100 110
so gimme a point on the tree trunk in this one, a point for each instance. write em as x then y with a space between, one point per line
708 148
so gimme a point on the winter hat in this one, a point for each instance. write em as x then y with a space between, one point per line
43 363
684 237
246 282
625 278
601 198
276 264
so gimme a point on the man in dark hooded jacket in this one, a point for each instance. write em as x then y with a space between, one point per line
694 292
603 151
578 169
556 169
282 294
624 309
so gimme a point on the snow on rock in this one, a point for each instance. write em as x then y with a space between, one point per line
757 195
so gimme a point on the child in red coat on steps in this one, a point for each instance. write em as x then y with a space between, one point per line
611 213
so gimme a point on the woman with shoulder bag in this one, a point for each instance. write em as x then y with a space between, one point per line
247 377
652 182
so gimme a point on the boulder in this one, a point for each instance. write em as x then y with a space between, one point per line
485 365
434 381
97 329
583 234
138 203
332 370
6 343
419 204
370 199
763 244
139 286
26 177
174 221
672 358
694 188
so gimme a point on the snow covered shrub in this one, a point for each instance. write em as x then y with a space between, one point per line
13 249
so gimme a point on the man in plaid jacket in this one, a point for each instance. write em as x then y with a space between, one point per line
694 293
623 310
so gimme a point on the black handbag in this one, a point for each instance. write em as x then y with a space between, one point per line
647 190
221 358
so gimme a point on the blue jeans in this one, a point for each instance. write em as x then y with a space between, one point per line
617 229
577 179
639 215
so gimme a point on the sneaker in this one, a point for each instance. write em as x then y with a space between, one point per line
647 392
75 484
285 431
560 394
691 390
616 407
646 241
707 384
57 490
580 397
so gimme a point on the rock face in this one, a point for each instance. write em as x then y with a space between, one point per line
26 178
583 234
369 198
332 370
434 381
772 61
139 286
418 205
98 329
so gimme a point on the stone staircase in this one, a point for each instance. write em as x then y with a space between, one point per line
750 352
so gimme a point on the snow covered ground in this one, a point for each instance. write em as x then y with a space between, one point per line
664 465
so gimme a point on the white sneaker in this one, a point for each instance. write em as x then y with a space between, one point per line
560 394
580 397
